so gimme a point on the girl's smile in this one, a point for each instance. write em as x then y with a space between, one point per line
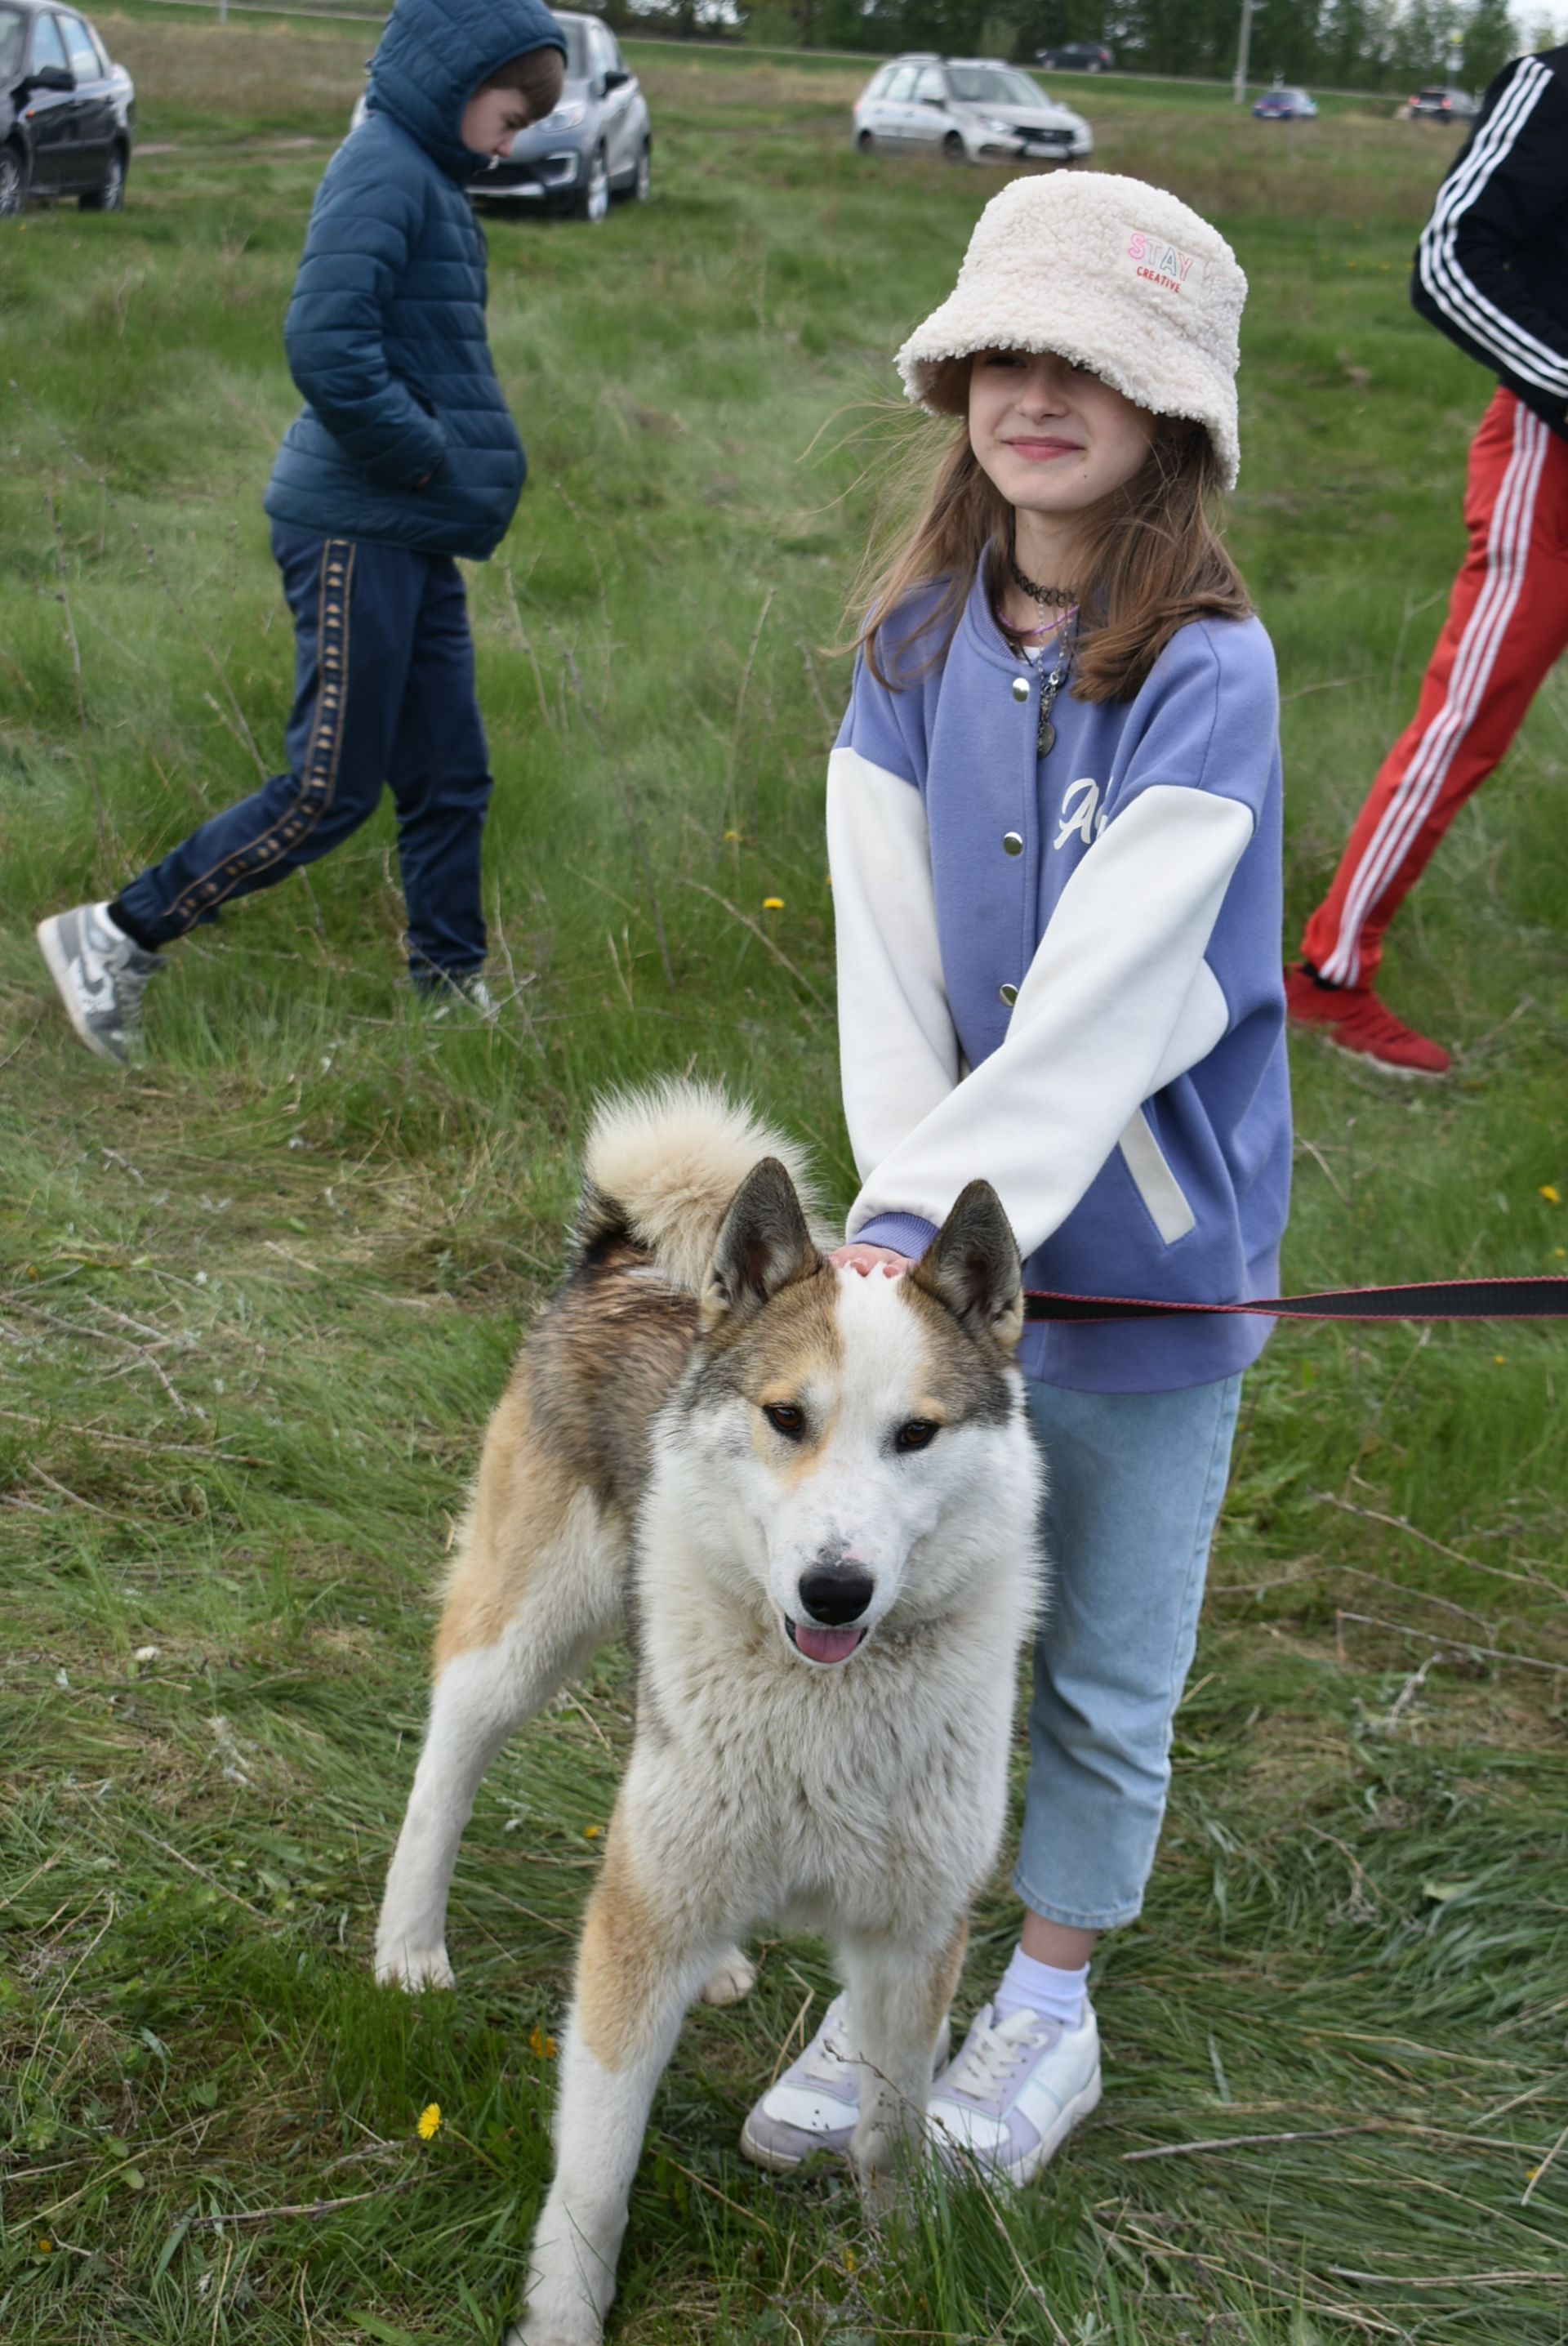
1042 450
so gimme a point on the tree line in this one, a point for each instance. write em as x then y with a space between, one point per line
1371 45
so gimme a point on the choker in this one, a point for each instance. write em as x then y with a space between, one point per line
1059 598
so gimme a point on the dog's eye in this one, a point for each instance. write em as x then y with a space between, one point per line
916 1433
785 1418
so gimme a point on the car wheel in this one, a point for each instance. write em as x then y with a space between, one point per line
12 182
865 142
952 148
109 195
593 199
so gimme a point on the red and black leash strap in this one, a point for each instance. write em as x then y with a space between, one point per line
1442 1298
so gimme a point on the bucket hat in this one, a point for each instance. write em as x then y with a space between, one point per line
1111 274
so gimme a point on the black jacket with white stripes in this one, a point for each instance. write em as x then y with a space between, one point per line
1492 267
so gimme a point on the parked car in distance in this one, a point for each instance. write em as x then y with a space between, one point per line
1077 56
1286 105
1440 106
970 109
597 143
67 113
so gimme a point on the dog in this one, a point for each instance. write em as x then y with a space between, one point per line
812 1495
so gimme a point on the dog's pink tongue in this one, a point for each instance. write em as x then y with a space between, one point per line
826 1645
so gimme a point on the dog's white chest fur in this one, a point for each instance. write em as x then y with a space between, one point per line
852 1796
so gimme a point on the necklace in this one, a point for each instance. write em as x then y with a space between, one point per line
1045 738
1048 597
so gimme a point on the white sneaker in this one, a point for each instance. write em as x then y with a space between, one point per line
467 993
102 975
816 2104
1015 2092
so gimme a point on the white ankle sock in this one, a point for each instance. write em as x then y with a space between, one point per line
1040 1987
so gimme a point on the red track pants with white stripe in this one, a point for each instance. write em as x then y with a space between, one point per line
1507 623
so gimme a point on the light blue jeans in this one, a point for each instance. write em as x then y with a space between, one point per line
1134 1486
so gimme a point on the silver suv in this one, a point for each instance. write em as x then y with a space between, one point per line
970 110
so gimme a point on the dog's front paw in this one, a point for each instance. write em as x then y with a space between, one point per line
558 2321
733 1976
414 1968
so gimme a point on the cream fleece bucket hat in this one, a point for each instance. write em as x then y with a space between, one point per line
1111 274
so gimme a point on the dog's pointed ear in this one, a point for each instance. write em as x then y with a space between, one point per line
971 1267
762 1245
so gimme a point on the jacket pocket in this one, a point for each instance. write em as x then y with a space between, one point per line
1164 1199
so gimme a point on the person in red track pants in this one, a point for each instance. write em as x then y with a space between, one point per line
1489 271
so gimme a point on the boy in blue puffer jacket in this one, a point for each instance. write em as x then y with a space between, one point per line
404 457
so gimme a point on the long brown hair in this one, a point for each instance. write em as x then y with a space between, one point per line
1153 558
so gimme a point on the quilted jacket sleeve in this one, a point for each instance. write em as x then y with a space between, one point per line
362 233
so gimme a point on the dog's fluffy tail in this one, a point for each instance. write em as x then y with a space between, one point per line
661 1165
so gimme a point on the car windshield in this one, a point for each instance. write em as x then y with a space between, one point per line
13 33
993 86
576 47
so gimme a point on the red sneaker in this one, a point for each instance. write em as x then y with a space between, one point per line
1353 1019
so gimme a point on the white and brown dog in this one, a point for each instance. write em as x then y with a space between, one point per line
813 1496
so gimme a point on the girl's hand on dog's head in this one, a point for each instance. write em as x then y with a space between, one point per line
867 1258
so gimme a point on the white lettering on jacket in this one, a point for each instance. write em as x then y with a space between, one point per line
1082 813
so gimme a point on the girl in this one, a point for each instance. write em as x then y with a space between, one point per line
1054 823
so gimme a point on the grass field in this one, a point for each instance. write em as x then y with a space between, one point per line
256 1296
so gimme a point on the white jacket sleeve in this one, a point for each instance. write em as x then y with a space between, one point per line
1117 1002
898 1046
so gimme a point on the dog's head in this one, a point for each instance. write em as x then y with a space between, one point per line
862 1450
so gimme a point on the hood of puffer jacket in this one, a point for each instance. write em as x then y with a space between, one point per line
434 55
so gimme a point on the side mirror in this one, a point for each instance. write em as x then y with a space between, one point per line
59 77
617 78
940 103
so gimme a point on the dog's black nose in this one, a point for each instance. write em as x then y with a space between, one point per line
834 1594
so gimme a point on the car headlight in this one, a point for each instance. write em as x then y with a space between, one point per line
565 117
999 129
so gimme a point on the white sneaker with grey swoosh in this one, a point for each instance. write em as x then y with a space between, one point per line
101 975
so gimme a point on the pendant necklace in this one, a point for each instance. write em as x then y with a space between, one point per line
1045 738
1059 598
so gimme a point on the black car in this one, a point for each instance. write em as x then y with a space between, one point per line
1077 56
1442 105
67 114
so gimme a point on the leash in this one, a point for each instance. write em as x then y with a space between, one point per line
1442 1298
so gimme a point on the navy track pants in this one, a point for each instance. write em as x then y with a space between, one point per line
383 694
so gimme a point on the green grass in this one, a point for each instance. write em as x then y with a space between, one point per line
256 1296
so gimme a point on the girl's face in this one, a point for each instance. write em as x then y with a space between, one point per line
1054 438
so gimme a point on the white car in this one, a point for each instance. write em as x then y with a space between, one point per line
970 109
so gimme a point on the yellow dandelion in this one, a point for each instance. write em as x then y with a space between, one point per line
1558 1253
542 2047
1500 1359
592 1832
852 2261
430 2122
45 2247
773 903
732 838
1551 1193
